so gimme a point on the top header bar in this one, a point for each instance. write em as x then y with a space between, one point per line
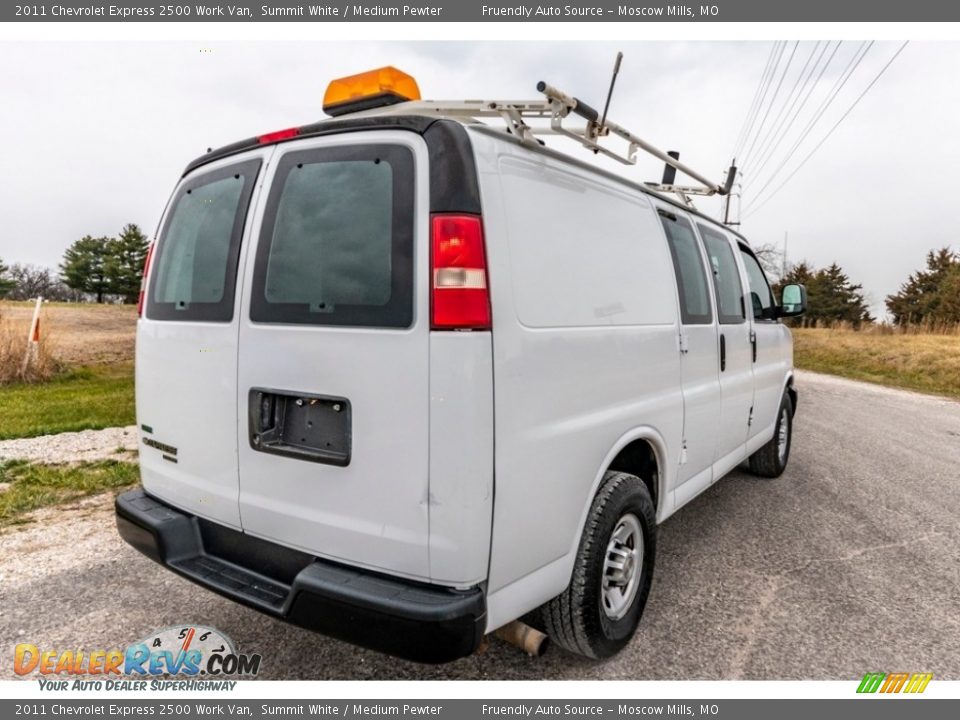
485 11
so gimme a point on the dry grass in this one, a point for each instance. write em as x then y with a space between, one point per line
914 358
925 328
18 361
79 334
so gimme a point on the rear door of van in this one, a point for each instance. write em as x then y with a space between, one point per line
332 392
186 359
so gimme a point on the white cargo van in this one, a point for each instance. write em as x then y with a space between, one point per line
404 377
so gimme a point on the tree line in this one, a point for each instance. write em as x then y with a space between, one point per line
930 296
100 269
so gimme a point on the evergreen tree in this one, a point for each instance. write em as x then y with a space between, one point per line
831 296
84 266
124 263
948 310
930 294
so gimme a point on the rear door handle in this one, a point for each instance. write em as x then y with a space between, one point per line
723 352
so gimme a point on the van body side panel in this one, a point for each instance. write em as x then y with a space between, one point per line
461 456
327 332
585 348
186 364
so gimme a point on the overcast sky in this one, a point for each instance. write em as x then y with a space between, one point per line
96 135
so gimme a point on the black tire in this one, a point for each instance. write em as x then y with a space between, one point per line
768 461
576 619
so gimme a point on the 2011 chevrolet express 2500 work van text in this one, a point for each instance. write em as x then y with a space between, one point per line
404 377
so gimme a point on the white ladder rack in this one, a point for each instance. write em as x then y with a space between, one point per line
557 107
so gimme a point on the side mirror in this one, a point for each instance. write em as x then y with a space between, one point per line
793 301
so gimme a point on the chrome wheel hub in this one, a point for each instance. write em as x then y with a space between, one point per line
622 567
783 435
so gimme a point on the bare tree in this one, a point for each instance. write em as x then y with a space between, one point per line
30 281
771 259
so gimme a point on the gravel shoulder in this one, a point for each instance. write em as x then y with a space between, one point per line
847 563
83 446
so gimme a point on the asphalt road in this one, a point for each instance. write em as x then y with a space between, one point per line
848 563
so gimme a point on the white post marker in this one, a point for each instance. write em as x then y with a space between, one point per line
33 338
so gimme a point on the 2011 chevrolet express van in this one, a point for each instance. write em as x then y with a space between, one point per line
403 378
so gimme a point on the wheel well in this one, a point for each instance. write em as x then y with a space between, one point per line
792 392
638 458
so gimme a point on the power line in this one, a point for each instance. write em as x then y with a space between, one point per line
835 126
781 46
772 101
771 152
774 136
753 103
818 113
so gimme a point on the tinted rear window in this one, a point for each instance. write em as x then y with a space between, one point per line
336 246
726 277
195 271
688 265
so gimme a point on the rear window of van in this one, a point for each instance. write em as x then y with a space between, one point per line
336 246
194 273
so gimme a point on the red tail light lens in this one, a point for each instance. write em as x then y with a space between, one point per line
277 136
143 280
459 293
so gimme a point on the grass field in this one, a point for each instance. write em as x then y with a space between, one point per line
89 397
94 346
922 361
30 487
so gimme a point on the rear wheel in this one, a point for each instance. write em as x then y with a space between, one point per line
599 611
771 460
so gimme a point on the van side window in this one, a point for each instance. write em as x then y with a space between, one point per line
336 246
688 266
726 277
761 298
195 271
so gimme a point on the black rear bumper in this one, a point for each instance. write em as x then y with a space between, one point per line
415 621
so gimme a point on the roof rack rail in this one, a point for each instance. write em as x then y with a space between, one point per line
557 106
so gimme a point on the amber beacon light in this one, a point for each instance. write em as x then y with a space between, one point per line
371 89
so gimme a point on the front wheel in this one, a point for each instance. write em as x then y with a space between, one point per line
771 460
599 611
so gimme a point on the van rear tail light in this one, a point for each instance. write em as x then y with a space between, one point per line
460 298
143 279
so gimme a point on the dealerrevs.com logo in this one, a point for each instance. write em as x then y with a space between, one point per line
191 650
887 683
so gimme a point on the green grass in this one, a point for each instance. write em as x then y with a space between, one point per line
35 486
927 363
84 398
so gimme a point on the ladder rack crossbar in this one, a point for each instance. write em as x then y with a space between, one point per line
557 107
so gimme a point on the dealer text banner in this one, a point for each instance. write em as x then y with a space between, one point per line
486 11
486 709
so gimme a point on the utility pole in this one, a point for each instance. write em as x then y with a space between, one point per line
783 270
